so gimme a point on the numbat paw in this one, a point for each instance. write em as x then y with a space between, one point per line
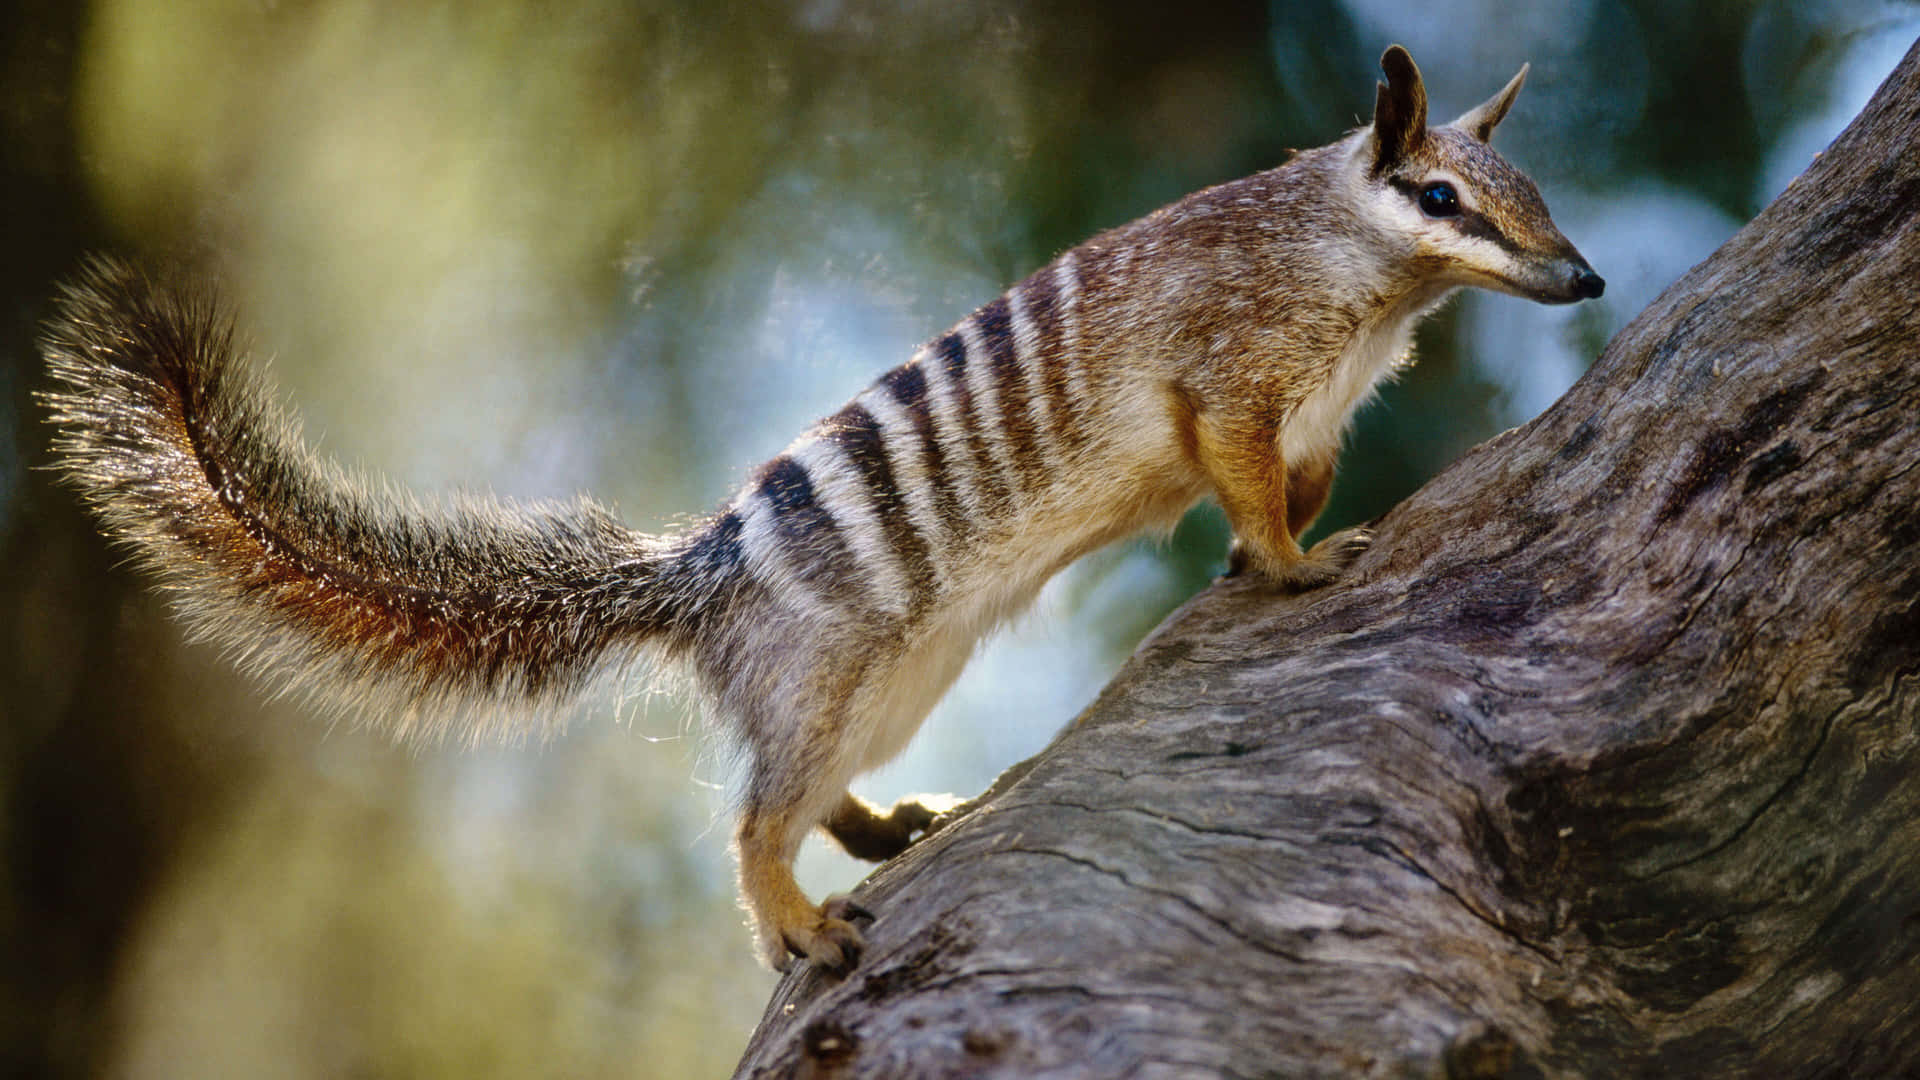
1323 564
913 814
831 941
867 833
1342 547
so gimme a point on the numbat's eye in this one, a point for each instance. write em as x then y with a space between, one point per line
1438 199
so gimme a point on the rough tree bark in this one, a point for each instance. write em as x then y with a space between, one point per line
1605 762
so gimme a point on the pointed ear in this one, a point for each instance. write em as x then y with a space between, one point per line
1480 120
1399 111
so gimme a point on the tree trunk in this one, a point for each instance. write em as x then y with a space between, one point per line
1602 763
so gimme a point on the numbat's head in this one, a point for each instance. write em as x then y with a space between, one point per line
1447 200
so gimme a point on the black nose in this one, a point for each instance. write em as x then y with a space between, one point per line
1588 285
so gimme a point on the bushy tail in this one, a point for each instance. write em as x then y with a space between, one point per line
466 617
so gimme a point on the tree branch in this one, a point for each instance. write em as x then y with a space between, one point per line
1602 763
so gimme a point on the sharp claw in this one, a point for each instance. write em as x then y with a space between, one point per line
829 940
840 946
849 959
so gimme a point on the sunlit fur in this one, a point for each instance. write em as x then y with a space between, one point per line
1217 346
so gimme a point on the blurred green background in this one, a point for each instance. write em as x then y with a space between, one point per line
633 248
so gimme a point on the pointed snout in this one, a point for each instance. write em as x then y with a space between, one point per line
1563 280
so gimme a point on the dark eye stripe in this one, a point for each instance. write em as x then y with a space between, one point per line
1479 225
1470 222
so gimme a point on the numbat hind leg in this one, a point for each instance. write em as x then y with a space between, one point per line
785 923
866 832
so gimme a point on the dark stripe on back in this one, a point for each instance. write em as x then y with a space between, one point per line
908 385
1040 303
814 547
787 486
995 328
952 353
858 435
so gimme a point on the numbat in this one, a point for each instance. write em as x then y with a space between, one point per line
1217 346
